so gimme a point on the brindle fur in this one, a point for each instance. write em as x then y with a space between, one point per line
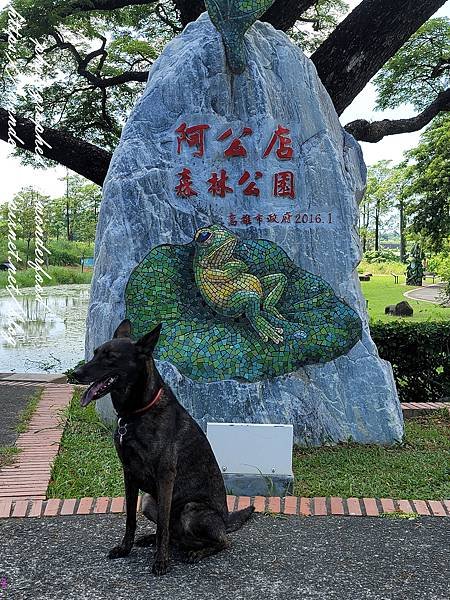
165 454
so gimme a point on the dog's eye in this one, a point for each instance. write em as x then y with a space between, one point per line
95 351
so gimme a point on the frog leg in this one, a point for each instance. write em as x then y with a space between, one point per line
251 308
275 285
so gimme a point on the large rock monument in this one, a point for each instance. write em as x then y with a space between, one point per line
230 214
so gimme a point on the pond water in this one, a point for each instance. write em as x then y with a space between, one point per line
53 335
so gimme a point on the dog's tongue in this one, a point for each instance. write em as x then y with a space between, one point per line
89 394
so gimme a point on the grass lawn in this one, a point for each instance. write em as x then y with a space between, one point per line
87 464
381 291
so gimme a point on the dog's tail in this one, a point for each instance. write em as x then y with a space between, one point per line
237 519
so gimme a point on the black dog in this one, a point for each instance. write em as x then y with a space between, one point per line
163 453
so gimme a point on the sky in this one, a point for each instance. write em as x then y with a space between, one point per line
15 176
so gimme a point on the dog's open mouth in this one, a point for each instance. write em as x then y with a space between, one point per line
98 389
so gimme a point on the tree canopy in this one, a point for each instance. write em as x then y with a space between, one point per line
428 191
98 54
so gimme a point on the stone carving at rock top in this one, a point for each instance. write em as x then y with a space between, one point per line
233 18
414 270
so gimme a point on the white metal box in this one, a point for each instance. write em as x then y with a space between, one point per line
252 449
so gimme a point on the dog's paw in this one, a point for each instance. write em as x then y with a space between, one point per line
160 566
146 540
192 557
118 552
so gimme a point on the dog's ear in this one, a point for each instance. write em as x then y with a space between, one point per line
124 329
148 341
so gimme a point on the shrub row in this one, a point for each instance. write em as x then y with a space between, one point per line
420 357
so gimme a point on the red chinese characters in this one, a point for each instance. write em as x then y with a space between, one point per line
284 185
185 187
218 185
194 137
193 141
284 150
251 189
236 148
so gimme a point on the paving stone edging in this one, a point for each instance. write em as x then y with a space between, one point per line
290 505
28 477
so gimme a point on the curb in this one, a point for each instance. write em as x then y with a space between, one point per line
28 477
416 409
289 505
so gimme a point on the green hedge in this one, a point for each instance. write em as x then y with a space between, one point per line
420 357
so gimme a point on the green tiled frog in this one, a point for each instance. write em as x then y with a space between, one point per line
227 286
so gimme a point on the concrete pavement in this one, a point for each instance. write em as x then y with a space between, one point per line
309 558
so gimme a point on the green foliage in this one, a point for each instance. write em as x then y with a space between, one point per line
440 264
84 50
380 256
429 187
63 253
419 70
59 276
385 185
420 357
317 23
381 268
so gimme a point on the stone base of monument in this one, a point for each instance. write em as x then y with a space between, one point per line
264 484
255 460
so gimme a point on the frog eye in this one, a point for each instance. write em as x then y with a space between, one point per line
204 236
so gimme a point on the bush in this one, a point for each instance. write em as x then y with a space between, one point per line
420 357
59 275
380 256
63 253
385 268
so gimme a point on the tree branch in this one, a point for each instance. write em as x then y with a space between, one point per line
365 131
363 42
78 155
282 15
77 6
82 64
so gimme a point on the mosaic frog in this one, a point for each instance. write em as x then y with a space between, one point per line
227 286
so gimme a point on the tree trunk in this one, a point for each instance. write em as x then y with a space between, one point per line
69 237
377 226
76 154
402 231
364 41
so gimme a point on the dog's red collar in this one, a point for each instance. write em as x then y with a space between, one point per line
122 427
148 406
